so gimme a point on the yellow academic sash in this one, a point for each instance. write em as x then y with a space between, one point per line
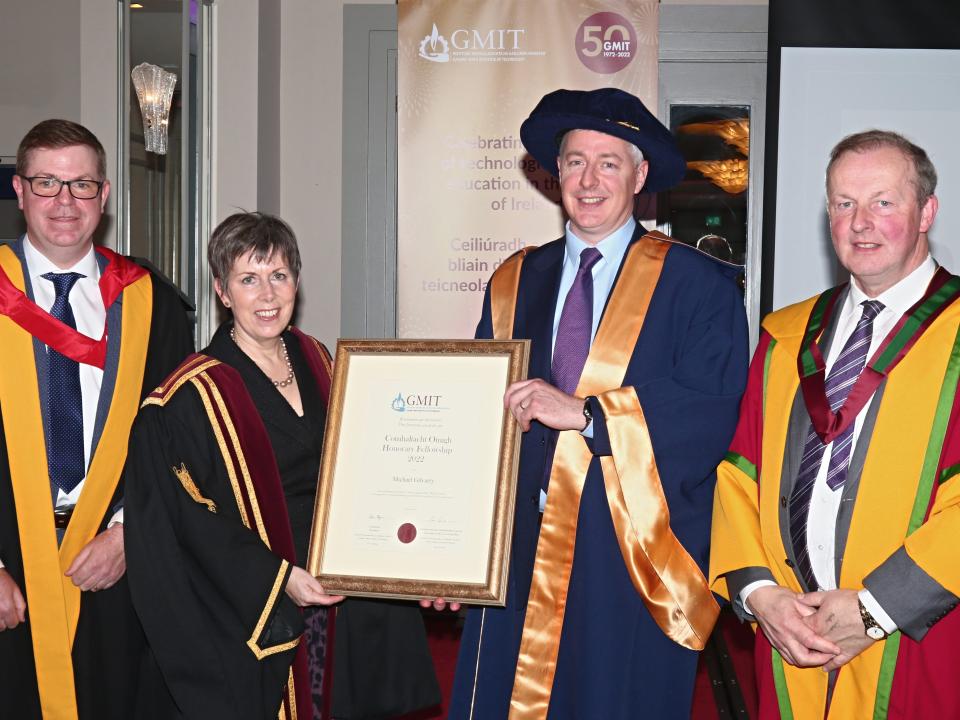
53 601
668 580
892 471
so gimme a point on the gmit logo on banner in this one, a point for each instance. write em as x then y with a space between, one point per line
435 48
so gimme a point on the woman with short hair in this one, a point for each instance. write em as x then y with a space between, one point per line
221 482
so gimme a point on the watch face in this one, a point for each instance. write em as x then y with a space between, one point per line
876 633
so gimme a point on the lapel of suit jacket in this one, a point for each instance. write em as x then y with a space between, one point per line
537 303
114 320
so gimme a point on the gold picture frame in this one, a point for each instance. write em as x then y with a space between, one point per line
418 477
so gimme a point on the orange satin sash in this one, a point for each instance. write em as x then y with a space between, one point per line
666 577
503 294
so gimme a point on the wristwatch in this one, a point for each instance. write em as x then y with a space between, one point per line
587 413
872 627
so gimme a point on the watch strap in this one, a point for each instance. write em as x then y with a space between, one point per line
872 628
587 412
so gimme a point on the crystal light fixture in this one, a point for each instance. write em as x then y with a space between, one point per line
729 175
734 132
154 87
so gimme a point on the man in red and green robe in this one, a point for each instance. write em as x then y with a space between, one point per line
856 607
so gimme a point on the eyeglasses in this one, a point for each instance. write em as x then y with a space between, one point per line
50 187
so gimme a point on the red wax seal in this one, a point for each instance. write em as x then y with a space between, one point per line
406 533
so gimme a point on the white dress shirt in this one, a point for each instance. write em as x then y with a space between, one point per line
90 315
824 502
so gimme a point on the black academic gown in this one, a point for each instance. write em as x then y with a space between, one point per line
199 578
109 640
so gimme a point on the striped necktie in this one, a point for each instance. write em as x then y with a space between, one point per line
843 375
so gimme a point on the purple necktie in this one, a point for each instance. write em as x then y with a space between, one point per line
575 330
572 344
65 458
843 375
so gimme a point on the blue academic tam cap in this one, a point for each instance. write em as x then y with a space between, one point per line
607 110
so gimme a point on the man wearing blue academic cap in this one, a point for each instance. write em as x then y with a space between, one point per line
638 361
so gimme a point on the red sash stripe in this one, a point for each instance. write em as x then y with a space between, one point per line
118 274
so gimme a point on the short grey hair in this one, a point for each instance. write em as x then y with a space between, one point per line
245 232
636 154
925 175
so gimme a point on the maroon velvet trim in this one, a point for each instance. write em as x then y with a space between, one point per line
254 444
318 360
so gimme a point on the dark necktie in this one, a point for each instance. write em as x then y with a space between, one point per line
575 330
843 375
65 459
572 344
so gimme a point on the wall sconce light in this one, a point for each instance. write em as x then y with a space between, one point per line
154 87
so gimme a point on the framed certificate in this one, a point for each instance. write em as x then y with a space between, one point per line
419 469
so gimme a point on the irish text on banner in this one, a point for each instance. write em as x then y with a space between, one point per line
469 195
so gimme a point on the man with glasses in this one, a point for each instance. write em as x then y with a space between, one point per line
85 332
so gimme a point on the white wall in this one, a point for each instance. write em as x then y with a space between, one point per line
40 79
828 93
306 132
236 88
311 132
43 79
99 101
59 60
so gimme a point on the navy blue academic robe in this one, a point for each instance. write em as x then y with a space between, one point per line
689 370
